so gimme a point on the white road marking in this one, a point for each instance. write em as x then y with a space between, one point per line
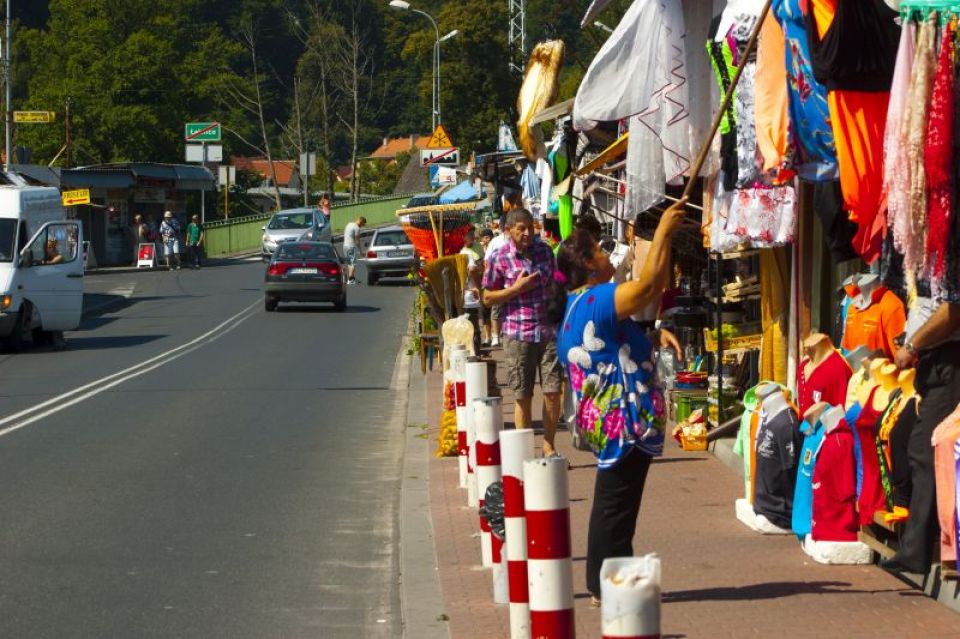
77 395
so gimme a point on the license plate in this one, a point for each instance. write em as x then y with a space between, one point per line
397 253
303 271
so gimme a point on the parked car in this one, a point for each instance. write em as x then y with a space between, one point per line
390 253
305 272
422 199
293 224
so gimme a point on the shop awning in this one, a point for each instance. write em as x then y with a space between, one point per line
182 177
466 191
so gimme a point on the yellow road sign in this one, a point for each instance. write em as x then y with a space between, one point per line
34 117
440 139
74 198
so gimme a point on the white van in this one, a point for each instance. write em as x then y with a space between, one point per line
41 266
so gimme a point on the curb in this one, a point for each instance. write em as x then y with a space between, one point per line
421 597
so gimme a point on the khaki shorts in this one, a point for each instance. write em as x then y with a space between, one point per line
524 359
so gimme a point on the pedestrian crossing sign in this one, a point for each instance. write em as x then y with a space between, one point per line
440 139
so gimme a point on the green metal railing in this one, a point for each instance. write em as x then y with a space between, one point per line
243 234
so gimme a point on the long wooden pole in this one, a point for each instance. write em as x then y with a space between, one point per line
727 98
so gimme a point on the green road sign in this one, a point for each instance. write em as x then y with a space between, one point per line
202 132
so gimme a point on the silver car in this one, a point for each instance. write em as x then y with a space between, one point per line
293 224
390 253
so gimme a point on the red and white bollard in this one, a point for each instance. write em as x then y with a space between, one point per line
475 386
458 365
488 422
630 592
516 447
549 565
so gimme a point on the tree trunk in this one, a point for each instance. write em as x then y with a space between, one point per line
251 39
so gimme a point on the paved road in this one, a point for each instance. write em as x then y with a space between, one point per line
245 485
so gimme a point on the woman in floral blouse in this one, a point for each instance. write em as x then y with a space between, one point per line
620 409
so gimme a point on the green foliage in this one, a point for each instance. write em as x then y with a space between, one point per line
134 71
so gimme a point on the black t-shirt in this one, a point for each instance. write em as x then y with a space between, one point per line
778 449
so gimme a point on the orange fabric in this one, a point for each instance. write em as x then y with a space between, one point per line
858 120
876 326
770 107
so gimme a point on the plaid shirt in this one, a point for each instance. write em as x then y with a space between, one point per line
523 317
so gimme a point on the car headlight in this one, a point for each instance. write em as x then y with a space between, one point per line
5 301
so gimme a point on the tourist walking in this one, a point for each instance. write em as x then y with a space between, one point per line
517 279
194 241
170 236
351 247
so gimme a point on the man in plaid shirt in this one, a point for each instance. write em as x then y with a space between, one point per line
517 278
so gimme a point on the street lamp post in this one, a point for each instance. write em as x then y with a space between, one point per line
403 5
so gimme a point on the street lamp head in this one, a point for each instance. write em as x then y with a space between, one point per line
450 35
400 4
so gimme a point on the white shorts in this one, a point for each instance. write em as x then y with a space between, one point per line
171 247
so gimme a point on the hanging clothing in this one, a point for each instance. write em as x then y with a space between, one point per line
640 74
853 46
827 382
945 438
896 165
878 325
913 242
811 134
774 318
834 509
871 496
938 156
839 232
749 161
778 441
766 216
721 58
803 494
770 105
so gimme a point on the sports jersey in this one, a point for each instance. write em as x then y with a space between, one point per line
834 488
827 382
803 492
778 441
743 444
877 325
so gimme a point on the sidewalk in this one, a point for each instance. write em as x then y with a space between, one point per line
719 578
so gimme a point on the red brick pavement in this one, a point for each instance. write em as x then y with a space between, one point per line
719 578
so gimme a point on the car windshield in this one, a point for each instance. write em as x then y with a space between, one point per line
306 251
8 236
390 238
291 221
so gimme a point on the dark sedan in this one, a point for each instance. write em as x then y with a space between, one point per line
305 272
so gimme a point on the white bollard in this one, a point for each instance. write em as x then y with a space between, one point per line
549 565
458 364
630 596
488 422
516 447
475 386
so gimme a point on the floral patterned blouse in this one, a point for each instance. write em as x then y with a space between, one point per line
613 376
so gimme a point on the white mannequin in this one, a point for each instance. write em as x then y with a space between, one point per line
812 415
867 285
831 417
774 404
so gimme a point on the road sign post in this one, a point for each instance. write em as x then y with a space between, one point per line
202 132
443 157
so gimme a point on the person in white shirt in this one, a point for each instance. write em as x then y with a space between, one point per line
471 287
351 246
492 247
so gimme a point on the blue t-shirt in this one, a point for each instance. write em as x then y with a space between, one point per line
612 374
802 518
851 416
